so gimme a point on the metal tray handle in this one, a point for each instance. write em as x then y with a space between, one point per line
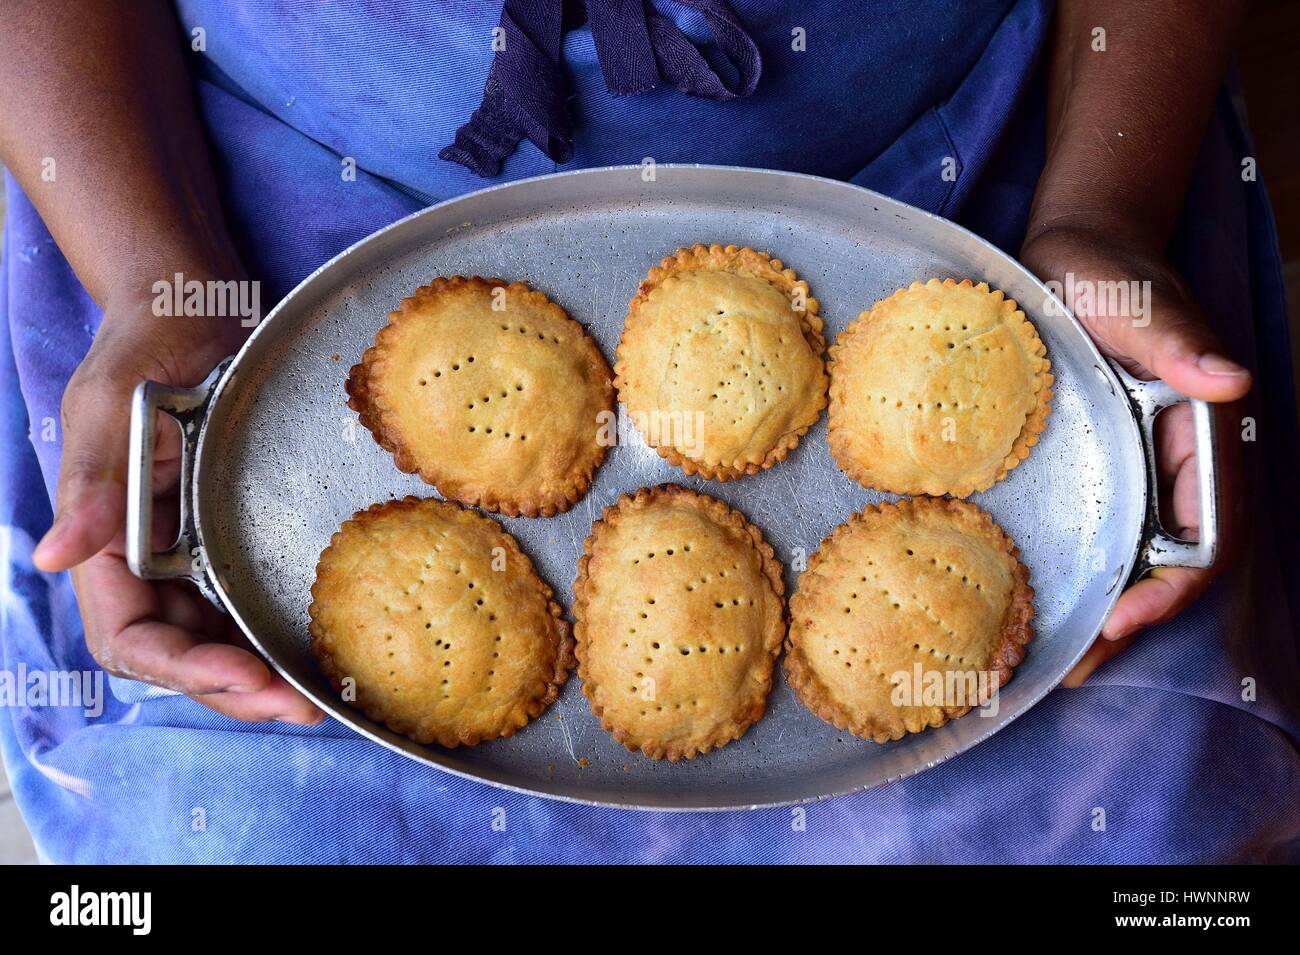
1159 547
189 406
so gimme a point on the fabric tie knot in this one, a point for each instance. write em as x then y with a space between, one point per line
638 48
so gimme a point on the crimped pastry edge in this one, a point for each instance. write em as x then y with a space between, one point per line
1035 421
366 399
725 516
1017 626
785 280
524 712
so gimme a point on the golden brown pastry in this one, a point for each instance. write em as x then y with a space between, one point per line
491 393
430 619
941 388
898 600
679 622
720 364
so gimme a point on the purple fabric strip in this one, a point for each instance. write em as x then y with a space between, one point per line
623 45
686 68
638 48
525 93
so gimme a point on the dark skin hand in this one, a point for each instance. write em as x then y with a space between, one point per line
1123 129
102 89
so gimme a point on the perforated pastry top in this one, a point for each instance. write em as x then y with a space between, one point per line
491 393
941 388
679 620
720 364
430 619
908 615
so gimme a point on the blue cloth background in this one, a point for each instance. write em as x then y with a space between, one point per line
1160 739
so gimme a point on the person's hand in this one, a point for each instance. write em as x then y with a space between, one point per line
159 632
1176 346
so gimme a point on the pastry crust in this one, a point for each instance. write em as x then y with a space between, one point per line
440 622
489 392
720 364
679 621
927 582
941 388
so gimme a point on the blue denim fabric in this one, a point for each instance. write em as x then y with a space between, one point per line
1160 739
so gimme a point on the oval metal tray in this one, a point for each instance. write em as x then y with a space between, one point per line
281 461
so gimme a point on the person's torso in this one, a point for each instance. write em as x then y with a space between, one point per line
389 84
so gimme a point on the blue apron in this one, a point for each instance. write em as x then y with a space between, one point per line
1160 739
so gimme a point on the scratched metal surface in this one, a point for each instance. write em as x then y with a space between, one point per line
282 464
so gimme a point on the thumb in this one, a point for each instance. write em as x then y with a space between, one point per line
1169 340
92 475
1138 310
1184 353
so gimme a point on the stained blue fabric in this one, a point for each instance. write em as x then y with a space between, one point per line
1160 741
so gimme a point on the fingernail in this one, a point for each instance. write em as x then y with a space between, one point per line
1213 364
1120 633
297 722
50 536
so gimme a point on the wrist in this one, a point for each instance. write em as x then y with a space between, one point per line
1116 228
1083 244
189 311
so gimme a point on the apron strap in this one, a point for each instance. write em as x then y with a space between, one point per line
638 49
524 95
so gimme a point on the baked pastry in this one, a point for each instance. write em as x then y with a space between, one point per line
490 392
900 599
720 364
941 388
679 620
429 618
